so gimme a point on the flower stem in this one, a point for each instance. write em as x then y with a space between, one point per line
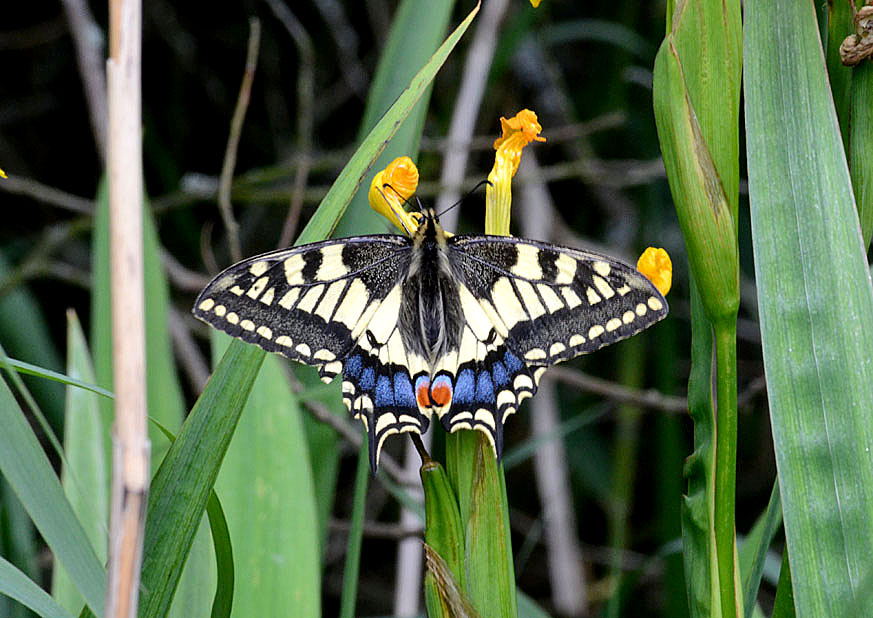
725 332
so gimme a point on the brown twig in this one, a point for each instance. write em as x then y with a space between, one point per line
89 43
305 121
130 452
651 399
27 187
190 359
236 124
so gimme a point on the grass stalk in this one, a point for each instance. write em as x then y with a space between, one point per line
356 533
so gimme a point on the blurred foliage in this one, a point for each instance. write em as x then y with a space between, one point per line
585 68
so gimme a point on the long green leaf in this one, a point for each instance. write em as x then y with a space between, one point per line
48 374
28 471
753 552
84 475
816 309
16 585
182 485
266 478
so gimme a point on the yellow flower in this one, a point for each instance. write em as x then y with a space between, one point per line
391 188
656 265
518 132
535 3
2 174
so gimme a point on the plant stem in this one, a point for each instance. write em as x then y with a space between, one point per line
353 548
725 463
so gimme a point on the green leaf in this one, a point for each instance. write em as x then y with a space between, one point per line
356 533
181 486
753 551
861 146
84 475
16 585
416 31
340 194
444 532
266 478
29 473
48 374
816 310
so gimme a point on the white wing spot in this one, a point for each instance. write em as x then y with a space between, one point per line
206 305
220 310
571 297
527 264
484 416
556 348
247 325
655 304
535 354
307 303
601 268
302 349
603 287
641 309
284 340
290 298
595 331
566 269
294 269
593 298
623 289
268 296
576 340
237 290
259 268
522 382
265 332
612 324
628 317
553 303
232 318
332 266
324 354
258 287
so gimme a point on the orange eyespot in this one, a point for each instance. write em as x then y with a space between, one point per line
422 393
441 392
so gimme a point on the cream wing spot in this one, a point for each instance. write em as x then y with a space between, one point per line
259 268
324 355
628 317
612 324
258 287
506 303
571 297
265 332
290 297
302 349
576 340
527 263
237 290
294 269
220 310
655 304
603 287
556 348
484 416
601 268
307 303
284 340
641 309
232 318
595 331
535 354
332 266
522 382
206 305
623 289
553 302
530 299
247 325
566 269
268 296
593 298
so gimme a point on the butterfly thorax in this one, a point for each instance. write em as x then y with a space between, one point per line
430 311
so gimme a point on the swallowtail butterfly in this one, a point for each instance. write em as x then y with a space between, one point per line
458 326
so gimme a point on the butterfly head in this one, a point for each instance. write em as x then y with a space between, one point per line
429 228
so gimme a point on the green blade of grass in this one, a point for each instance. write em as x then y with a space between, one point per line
753 551
48 374
16 585
340 194
356 532
816 310
28 471
266 478
416 31
84 475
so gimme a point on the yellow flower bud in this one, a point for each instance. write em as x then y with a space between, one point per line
656 265
535 3
2 174
518 132
390 188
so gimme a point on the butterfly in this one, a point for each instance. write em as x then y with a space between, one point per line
462 327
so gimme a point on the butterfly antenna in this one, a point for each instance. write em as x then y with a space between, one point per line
391 205
465 197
